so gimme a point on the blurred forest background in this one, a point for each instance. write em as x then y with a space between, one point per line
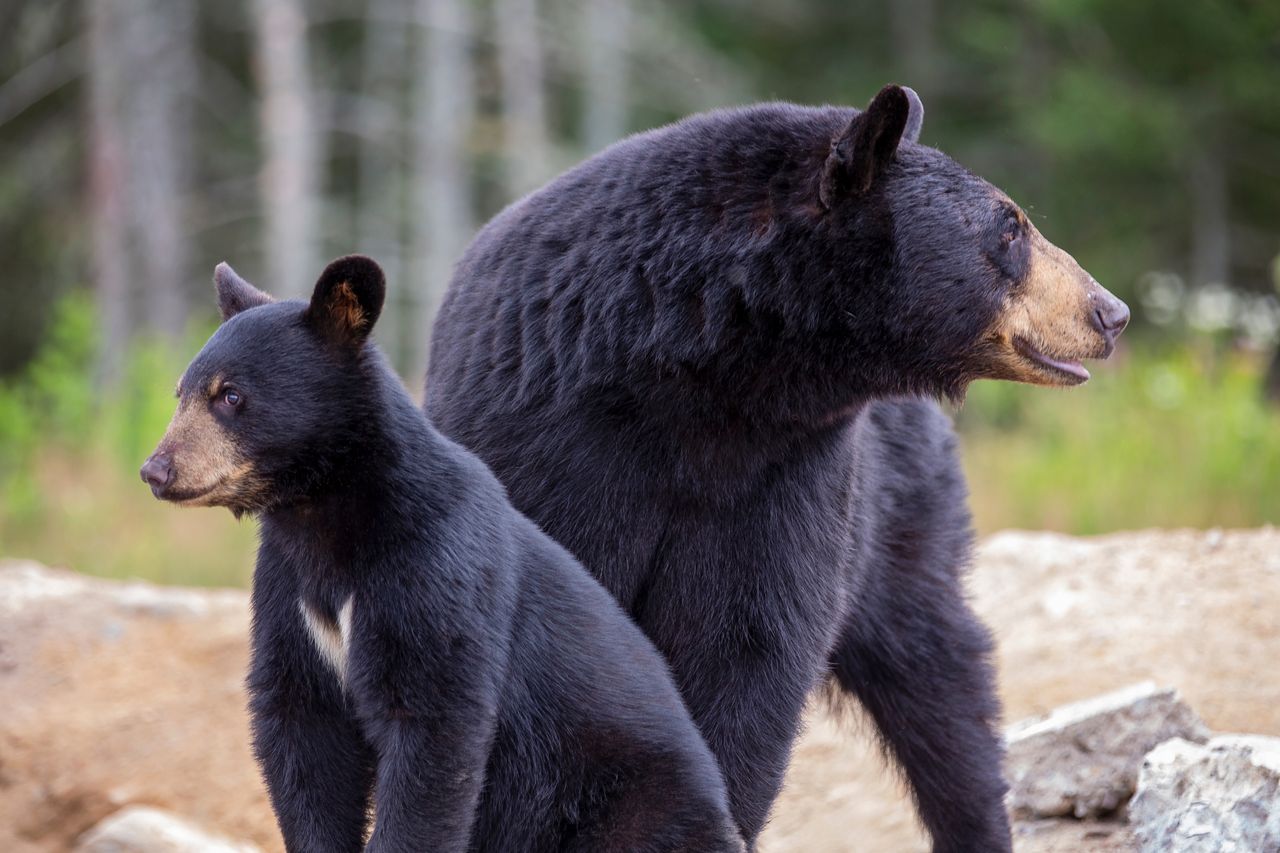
143 141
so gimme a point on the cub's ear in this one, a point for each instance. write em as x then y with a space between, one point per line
347 300
234 293
863 149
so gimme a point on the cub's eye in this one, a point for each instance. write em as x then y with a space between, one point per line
230 398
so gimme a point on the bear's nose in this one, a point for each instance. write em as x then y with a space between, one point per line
157 472
1110 315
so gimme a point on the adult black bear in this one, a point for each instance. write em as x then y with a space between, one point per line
418 645
702 361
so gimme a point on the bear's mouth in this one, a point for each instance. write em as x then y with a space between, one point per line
1071 370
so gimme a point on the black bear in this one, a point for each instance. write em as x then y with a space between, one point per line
421 652
706 361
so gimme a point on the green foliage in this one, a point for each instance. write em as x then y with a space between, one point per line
69 455
57 398
1180 438
53 398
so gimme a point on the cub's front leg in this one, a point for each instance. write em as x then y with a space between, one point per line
318 768
427 695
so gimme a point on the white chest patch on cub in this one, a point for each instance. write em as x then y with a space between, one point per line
332 639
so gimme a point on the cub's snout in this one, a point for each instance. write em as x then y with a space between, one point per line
198 463
157 472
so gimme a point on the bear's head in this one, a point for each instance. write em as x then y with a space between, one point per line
975 290
269 407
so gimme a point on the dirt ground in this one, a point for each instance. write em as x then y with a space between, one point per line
118 693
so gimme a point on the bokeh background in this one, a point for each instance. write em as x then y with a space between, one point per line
143 141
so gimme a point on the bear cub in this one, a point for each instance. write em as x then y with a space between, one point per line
424 658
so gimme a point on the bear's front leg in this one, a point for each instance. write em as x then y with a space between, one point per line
912 651
920 667
318 768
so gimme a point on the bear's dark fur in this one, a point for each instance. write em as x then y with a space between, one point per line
421 652
694 360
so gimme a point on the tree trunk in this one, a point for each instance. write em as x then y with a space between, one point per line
109 272
288 177
1271 383
605 72
442 115
524 113
1210 226
381 173
911 25
162 81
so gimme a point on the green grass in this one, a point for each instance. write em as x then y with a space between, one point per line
1172 439
1160 437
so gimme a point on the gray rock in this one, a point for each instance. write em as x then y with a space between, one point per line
1082 760
1220 797
1068 835
140 829
26 586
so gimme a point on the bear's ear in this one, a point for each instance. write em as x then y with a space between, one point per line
347 300
915 116
234 293
863 150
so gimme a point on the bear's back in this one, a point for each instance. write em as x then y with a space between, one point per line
607 266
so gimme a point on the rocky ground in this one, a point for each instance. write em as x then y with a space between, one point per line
119 694
1199 611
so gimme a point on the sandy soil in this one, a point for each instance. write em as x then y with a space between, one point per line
128 693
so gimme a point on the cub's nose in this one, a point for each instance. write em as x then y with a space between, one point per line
157 472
